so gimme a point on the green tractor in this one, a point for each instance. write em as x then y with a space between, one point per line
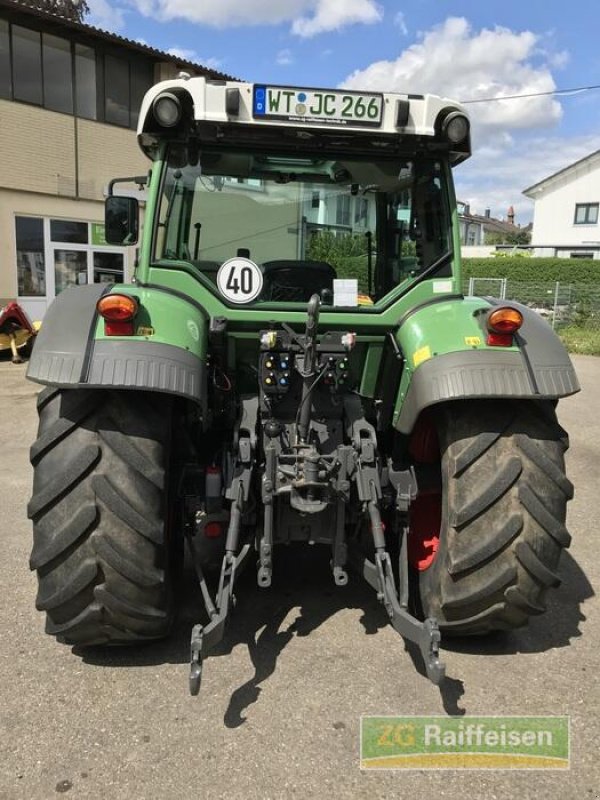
294 361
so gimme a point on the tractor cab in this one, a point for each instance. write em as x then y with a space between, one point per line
342 194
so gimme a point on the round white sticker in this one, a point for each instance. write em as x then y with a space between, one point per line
240 280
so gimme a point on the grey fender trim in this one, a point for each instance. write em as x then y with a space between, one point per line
485 374
544 354
62 346
67 355
132 365
147 365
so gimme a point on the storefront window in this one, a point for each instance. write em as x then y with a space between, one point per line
108 267
31 272
70 269
63 230
53 254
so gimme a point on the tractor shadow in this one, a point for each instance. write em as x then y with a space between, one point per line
303 586
555 628
302 590
301 599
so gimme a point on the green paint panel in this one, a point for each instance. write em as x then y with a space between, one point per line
375 319
371 370
444 327
172 320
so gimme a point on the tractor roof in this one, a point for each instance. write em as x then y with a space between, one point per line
220 112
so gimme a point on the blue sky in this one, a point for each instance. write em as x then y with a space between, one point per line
465 49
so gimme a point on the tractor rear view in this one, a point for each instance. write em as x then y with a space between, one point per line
294 361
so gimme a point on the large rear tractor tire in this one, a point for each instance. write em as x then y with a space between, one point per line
503 505
99 511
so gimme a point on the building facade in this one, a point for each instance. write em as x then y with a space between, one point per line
565 220
69 100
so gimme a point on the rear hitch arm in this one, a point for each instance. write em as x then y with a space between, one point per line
204 637
426 634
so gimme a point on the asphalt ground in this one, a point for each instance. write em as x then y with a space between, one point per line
282 698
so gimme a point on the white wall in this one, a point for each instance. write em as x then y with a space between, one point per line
554 211
477 251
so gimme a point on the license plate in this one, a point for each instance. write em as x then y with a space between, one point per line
317 106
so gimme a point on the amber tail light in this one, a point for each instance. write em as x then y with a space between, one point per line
502 323
118 312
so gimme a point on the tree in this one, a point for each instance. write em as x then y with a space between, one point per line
75 10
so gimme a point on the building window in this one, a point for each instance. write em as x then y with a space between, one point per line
586 214
85 82
342 210
62 230
31 273
69 77
108 267
361 210
581 255
70 269
27 65
116 91
142 78
58 78
5 87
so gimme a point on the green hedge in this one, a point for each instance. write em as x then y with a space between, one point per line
517 268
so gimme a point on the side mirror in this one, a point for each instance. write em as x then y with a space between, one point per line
121 220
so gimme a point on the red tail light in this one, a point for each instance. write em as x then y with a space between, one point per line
118 312
502 324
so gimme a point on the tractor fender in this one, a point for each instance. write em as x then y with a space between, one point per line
72 351
447 359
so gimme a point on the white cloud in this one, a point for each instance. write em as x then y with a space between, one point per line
400 22
331 15
454 61
512 148
104 15
308 17
284 57
498 172
186 54
559 60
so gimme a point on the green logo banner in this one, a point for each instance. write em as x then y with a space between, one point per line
464 743
98 237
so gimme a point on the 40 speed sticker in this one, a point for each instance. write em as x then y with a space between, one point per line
240 280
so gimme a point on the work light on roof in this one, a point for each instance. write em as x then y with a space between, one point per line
167 109
455 127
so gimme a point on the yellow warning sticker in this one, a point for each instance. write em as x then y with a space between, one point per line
472 341
420 355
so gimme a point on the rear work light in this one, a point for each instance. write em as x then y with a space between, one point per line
118 312
502 323
455 127
166 109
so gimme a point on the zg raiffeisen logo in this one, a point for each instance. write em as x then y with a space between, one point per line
464 743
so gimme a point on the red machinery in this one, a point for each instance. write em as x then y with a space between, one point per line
16 331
